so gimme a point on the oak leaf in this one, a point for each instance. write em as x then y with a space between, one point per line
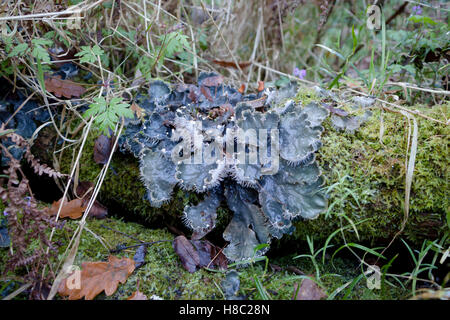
96 277
72 209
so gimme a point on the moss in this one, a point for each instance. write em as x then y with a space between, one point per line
374 187
163 275
305 95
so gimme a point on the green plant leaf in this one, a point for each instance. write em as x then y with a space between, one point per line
18 50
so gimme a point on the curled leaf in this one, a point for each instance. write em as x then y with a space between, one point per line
63 88
196 254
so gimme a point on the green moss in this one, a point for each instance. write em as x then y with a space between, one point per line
375 185
164 276
306 95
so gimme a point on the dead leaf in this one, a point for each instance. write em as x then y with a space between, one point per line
139 256
231 64
72 209
102 148
295 270
210 255
309 290
98 210
96 277
187 253
241 88
63 88
84 190
196 254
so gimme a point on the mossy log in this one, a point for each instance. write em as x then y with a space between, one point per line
163 277
365 171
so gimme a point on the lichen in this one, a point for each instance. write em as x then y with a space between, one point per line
231 151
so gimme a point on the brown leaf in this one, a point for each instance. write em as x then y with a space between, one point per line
98 210
210 255
241 88
137 295
196 254
231 64
64 88
187 253
84 190
96 277
295 270
73 209
309 290
102 148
